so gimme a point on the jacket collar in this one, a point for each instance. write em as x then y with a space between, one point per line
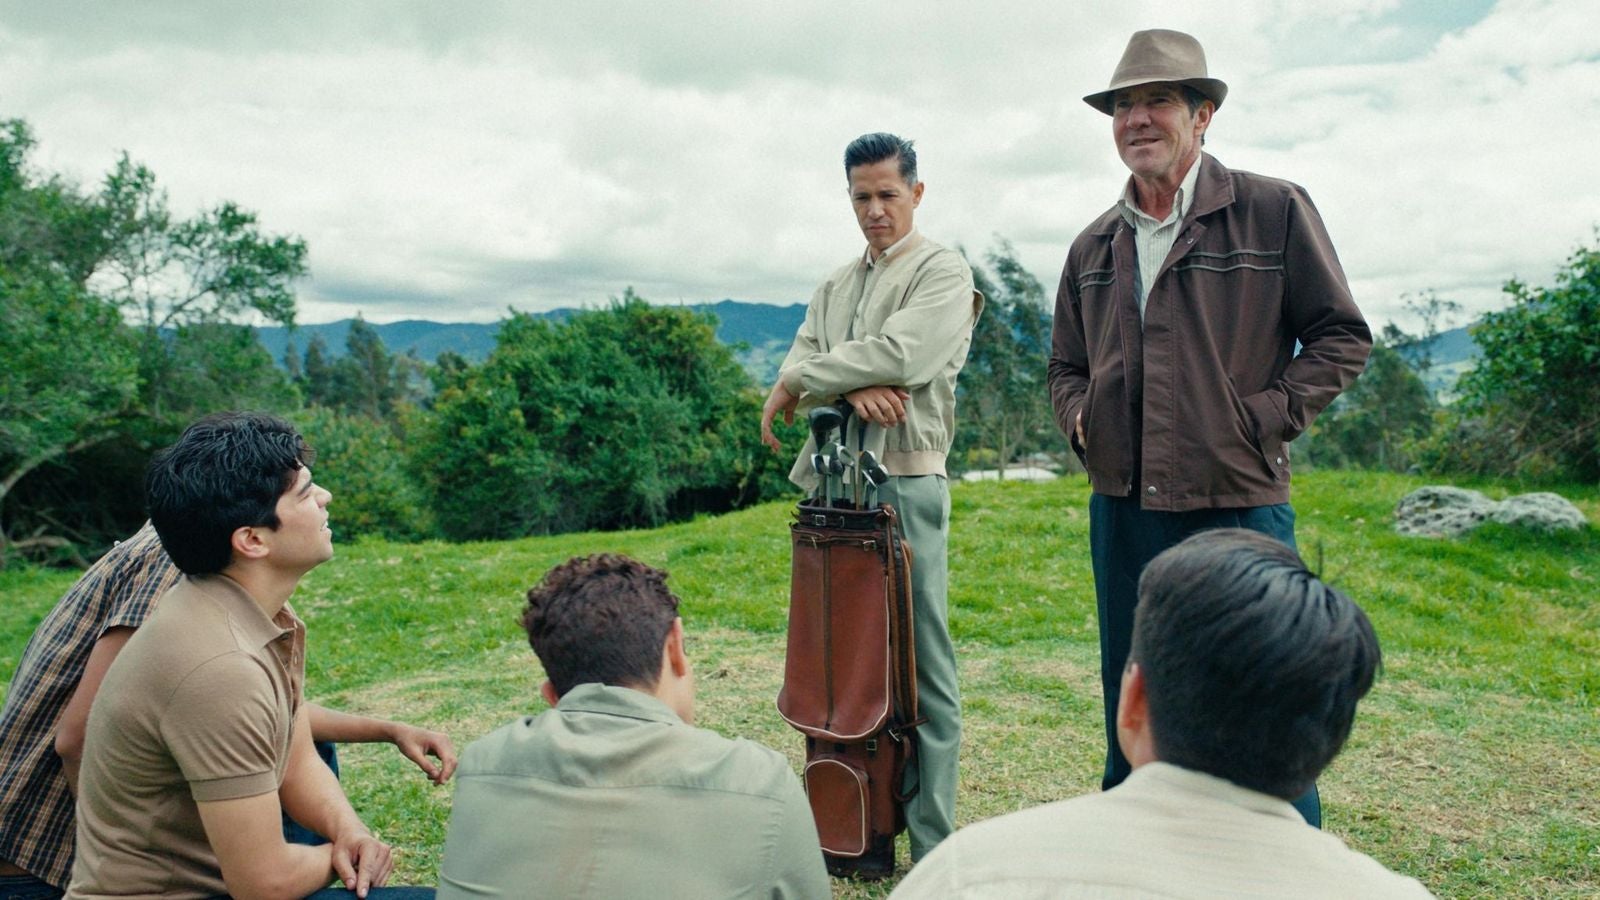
1213 190
1176 779
611 700
898 250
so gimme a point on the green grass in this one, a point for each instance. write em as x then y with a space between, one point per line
1474 766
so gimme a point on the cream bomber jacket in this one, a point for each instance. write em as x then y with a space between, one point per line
911 328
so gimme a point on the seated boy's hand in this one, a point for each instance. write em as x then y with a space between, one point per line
418 744
361 861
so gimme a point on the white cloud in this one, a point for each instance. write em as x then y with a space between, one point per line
447 161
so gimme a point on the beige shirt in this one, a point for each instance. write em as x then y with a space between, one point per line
1165 832
610 794
199 706
1153 240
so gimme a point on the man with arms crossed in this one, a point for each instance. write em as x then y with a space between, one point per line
1173 367
613 792
198 734
1241 688
889 331
47 707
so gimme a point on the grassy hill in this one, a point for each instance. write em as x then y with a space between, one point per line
1474 765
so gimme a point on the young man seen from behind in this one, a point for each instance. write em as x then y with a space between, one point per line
613 792
198 732
1241 688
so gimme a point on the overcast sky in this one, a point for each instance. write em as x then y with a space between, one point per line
451 160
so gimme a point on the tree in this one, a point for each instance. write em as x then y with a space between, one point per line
1534 395
122 322
1376 422
1432 310
361 461
168 274
69 376
1005 402
317 379
371 379
625 416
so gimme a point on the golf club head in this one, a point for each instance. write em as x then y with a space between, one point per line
824 420
873 469
819 464
835 464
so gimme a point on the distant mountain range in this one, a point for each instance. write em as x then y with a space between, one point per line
1452 353
759 333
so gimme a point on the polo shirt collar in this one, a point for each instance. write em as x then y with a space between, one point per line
1189 781
611 700
247 615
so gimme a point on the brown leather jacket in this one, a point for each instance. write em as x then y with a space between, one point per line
1200 404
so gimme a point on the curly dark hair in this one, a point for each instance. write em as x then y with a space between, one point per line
600 618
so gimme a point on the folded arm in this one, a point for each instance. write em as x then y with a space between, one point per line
913 346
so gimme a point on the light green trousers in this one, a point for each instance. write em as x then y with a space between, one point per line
923 503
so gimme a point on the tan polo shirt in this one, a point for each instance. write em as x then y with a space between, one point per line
199 706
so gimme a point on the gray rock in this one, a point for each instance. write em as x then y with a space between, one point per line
1441 511
1444 511
1543 511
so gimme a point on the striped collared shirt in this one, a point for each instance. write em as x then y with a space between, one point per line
36 805
1154 239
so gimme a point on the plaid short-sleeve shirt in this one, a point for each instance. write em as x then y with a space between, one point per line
36 805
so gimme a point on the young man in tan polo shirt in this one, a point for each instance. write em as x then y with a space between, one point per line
199 731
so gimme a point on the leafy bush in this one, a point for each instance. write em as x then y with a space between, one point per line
362 463
1531 406
1375 424
626 416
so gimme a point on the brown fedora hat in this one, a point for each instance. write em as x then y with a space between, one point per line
1160 55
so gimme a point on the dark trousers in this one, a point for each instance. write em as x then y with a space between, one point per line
27 887
1122 540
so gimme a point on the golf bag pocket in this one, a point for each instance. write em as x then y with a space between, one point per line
837 672
854 791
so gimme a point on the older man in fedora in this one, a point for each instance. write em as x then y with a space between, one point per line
1202 322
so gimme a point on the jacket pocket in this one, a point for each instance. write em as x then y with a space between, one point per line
1260 445
1083 417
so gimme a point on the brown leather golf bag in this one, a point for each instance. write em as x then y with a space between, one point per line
850 674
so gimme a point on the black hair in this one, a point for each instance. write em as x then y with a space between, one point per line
600 618
225 472
879 146
1252 665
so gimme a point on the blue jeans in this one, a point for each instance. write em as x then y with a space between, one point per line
27 887
1123 538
